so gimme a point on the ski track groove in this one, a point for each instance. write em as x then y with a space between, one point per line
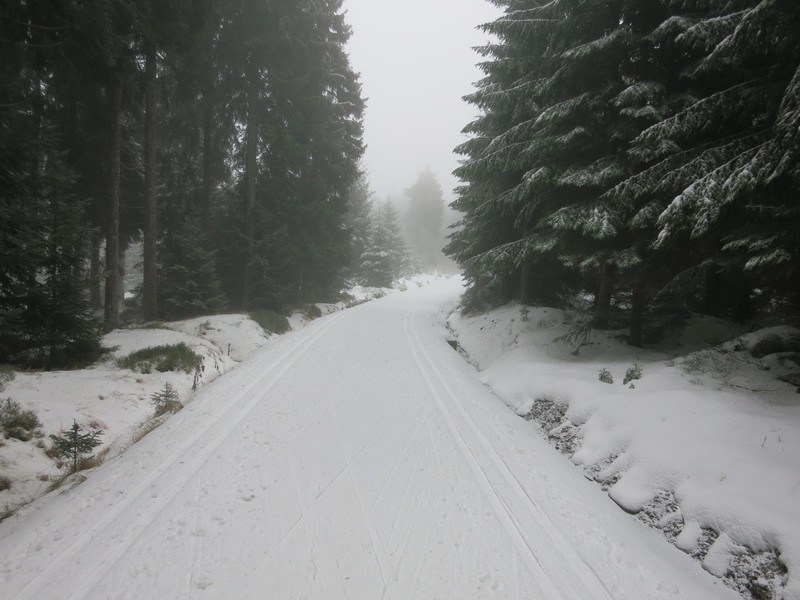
587 575
394 468
372 438
33 588
420 565
403 508
378 549
406 538
196 545
501 509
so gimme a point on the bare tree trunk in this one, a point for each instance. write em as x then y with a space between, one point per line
603 300
250 192
112 206
95 296
525 284
150 274
208 183
637 313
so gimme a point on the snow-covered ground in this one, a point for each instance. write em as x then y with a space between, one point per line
113 400
707 441
359 456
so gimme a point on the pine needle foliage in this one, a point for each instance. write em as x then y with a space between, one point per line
166 400
623 145
72 444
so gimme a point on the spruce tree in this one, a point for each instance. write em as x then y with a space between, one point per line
44 315
385 256
72 444
423 219
189 285
358 223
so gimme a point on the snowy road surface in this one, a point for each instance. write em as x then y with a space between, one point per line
359 458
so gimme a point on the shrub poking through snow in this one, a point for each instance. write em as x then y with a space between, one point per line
312 311
17 423
174 357
605 376
166 400
5 483
72 444
270 321
6 375
634 372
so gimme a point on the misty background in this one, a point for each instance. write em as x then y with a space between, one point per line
415 62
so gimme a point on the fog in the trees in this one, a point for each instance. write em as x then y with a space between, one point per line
416 62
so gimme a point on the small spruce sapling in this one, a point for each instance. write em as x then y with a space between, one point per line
605 376
72 444
634 372
166 400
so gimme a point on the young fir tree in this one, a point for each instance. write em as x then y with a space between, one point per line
166 400
72 444
189 285
358 223
384 258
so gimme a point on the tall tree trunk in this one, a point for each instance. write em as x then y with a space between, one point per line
95 295
525 283
208 183
602 307
714 292
250 192
637 313
112 206
150 274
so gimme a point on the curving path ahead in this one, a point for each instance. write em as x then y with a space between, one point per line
357 458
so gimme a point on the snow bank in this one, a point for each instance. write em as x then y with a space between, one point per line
692 428
111 399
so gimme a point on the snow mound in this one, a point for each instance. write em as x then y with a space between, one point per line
703 446
114 400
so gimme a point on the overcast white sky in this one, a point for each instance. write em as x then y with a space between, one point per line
416 61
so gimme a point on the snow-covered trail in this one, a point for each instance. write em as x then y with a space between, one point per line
357 458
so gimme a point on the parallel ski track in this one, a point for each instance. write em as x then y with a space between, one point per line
592 586
171 486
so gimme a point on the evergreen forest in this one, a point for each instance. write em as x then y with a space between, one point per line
636 160
222 136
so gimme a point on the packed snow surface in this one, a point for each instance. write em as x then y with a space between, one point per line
358 457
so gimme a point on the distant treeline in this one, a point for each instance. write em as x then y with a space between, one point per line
636 159
223 135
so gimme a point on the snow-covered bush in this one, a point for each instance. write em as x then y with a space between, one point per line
634 372
17 423
173 357
6 375
270 321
